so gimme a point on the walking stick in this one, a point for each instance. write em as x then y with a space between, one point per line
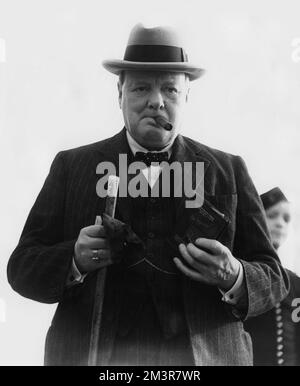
110 207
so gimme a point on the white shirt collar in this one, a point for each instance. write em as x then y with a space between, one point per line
135 146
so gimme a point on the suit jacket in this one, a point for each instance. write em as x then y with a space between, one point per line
40 264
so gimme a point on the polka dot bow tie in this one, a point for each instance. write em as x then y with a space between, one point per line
150 157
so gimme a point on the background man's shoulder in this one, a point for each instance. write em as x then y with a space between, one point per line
294 285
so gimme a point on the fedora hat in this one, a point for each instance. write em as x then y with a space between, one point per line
154 49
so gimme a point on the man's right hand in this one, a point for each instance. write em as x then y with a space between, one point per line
91 239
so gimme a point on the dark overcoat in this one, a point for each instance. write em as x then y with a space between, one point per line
40 264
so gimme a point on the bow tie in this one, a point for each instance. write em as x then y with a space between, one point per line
150 157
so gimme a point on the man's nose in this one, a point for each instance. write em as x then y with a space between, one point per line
279 223
156 100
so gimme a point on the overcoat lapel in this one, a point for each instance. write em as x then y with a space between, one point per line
185 154
182 152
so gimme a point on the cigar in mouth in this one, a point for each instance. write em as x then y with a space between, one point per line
163 123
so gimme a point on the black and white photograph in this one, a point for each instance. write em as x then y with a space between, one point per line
150 198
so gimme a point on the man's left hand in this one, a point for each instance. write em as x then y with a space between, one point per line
210 262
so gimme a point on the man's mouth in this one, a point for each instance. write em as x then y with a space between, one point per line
162 122
277 234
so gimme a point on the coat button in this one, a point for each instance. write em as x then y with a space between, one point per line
279 331
279 347
278 318
279 339
151 235
279 324
277 305
278 310
279 353
280 361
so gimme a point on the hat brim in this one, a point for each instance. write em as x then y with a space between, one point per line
117 66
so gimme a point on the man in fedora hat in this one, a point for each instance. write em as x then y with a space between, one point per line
178 280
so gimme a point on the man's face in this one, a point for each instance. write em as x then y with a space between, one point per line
278 219
145 95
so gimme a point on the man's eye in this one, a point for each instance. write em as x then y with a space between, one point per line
140 89
172 90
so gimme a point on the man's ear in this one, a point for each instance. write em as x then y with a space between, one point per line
187 95
120 94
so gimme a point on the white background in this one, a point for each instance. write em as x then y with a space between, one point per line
55 95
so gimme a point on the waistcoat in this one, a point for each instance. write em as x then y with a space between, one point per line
154 272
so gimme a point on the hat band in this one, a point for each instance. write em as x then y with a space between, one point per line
154 53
